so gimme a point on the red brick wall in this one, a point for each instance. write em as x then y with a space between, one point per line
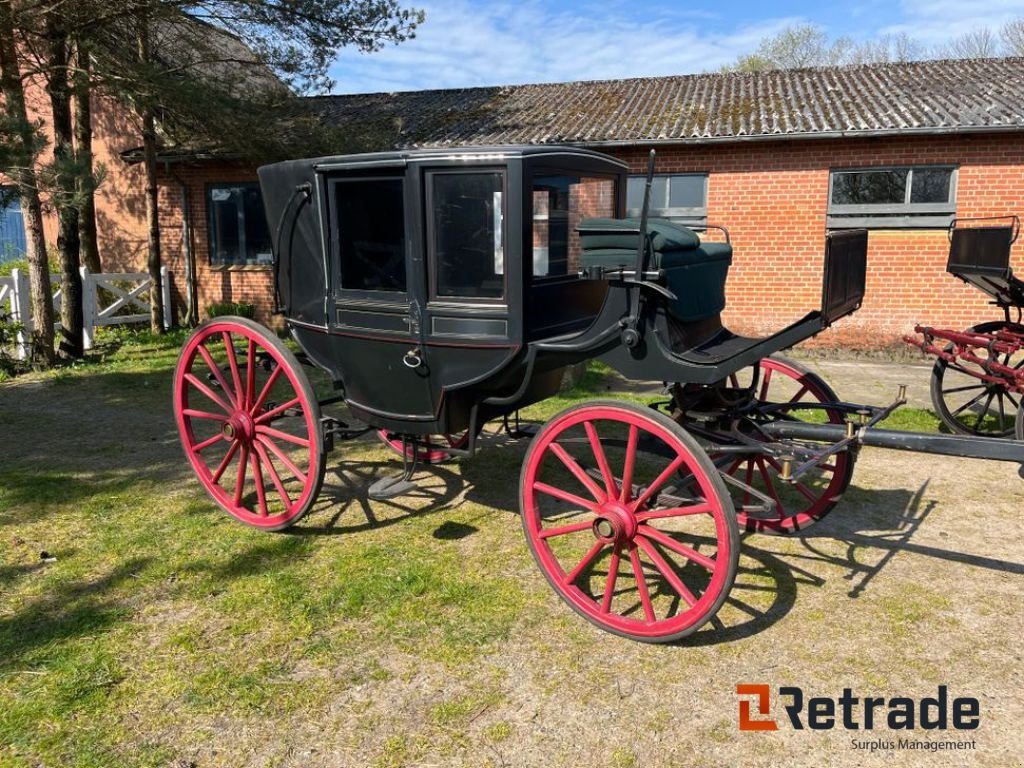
773 198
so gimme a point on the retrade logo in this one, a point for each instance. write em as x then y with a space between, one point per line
854 713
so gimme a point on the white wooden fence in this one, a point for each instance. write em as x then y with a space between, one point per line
121 301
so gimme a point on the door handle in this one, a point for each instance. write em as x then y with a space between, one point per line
413 358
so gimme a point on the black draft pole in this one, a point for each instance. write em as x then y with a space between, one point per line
968 447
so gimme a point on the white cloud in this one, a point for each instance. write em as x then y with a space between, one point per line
934 22
465 44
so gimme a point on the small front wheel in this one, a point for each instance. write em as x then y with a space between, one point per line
629 520
249 422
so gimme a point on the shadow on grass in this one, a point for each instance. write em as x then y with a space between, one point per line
74 610
38 492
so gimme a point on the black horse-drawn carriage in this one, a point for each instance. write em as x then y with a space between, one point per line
441 290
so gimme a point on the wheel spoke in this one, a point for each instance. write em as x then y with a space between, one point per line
630 462
641 583
602 460
240 478
582 564
796 398
764 384
257 477
766 476
207 443
658 482
250 372
577 470
225 461
667 571
558 493
609 584
680 549
263 418
263 429
192 413
547 533
195 382
967 388
1010 398
984 412
274 476
266 390
270 444
218 374
233 364
968 404
656 514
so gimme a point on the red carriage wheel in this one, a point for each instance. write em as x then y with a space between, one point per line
432 451
249 422
807 500
969 405
629 520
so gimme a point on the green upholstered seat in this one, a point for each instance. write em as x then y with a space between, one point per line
663 235
695 271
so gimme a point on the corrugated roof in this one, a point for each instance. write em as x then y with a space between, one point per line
917 97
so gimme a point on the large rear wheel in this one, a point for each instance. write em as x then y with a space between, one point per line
249 422
967 404
629 520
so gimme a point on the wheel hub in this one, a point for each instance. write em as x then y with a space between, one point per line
614 523
239 426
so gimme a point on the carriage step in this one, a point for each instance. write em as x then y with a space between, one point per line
391 487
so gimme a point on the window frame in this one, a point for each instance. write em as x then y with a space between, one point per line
335 239
211 230
546 172
905 215
431 241
696 217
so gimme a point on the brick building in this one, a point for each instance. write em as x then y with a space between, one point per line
779 158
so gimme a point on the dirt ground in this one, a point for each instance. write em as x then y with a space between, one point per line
914 582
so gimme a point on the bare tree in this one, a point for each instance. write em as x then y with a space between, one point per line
981 43
1012 35
896 48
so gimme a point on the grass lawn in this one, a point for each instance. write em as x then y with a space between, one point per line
141 626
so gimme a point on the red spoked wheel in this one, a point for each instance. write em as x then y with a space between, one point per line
629 520
801 503
249 422
432 451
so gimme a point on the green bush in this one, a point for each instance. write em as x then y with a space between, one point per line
239 309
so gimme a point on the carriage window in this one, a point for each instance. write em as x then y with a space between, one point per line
238 226
371 234
468 235
559 203
921 196
681 197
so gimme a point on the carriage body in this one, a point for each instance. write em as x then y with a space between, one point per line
419 279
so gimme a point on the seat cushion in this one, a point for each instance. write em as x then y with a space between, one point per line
616 257
663 235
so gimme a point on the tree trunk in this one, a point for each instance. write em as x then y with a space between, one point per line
156 293
28 191
83 149
65 176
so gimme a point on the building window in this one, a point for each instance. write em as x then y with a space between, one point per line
468 235
371 234
908 197
12 226
238 225
681 197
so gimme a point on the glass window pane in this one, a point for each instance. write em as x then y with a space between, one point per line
634 192
225 206
469 235
257 233
931 185
686 192
882 187
565 200
371 234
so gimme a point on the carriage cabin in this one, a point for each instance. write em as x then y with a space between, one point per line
411 276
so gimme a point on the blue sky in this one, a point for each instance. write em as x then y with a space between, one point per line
468 43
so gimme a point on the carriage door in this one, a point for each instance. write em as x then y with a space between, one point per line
377 315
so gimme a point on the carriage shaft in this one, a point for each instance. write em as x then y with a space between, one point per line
996 449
